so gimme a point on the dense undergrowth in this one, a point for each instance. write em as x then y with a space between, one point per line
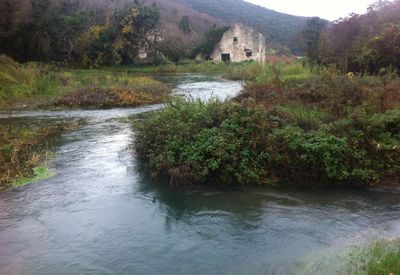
25 149
289 125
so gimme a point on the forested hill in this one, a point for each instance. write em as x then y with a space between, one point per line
107 32
278 27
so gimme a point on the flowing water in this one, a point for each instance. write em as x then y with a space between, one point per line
103 214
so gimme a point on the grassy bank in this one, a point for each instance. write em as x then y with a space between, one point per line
373 257
190 66
136 91
291 125
42 85
25 151
379 257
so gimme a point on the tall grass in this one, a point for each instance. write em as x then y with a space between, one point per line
19 83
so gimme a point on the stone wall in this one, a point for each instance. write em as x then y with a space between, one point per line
239 44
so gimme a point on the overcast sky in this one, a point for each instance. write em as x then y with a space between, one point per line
330 10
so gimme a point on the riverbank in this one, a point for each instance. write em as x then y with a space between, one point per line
291 125
26 150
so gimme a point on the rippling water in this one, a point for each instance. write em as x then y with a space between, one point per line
103 214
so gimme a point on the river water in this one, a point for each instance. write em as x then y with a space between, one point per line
103 214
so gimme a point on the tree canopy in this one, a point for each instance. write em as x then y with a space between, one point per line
365 43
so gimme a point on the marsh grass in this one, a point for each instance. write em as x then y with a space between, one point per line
26 151
38 85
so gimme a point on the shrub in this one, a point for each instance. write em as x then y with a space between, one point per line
229 143
197 142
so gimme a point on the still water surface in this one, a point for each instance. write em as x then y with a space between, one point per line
103 214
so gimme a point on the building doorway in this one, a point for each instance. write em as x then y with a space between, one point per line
225 57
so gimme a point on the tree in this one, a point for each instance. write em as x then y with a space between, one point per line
364 43
136 30
312 36
184 25
386 46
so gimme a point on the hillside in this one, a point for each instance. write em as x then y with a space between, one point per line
183 28
103 32
278 27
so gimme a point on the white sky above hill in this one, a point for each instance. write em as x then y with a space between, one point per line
331 10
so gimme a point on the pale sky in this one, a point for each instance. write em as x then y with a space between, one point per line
330 10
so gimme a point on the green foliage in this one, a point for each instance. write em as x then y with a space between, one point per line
205 141
53 29
226 143
305 117
135 29
292 124
74 31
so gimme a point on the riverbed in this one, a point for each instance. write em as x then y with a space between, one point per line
102 213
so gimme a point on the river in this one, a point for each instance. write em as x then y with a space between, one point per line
103 214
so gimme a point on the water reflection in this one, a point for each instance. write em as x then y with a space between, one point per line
275 229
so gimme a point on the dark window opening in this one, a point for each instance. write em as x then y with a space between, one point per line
235 40
249 53
225 57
